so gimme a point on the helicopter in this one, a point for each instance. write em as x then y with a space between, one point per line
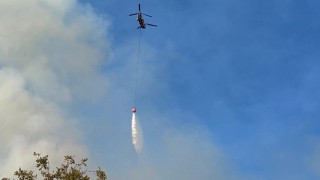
139 14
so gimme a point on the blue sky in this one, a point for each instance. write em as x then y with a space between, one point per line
227 89
245 72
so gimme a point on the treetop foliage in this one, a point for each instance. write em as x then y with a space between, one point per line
69 170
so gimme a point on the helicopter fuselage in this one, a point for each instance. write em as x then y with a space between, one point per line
141 21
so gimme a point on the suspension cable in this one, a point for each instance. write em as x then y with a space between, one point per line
137 71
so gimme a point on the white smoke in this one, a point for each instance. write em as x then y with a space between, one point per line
137 138
28 124
49 53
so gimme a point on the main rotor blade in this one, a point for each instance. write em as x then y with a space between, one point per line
151 25
139 8
146 14
133 14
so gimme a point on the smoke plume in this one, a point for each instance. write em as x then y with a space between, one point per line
49 53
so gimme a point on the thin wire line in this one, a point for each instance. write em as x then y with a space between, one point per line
137 71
